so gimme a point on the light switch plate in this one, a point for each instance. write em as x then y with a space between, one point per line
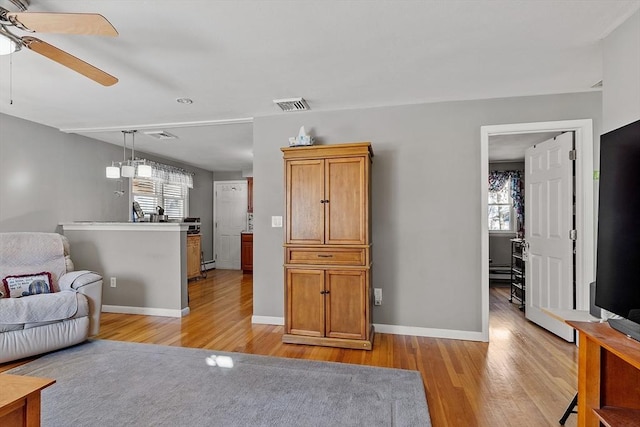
377 296
276 221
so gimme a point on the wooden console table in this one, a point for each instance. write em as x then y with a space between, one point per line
608 376
20 400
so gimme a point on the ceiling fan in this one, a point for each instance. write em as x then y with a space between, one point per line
64 23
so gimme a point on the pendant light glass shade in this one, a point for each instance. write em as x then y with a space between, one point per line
144 171
113 172
128 171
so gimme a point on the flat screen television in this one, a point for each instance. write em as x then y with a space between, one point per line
618 248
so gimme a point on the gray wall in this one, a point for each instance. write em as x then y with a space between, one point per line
157 278
48 177
621 75
228 176
426 199
500 244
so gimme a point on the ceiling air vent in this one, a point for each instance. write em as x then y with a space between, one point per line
292 104
160 134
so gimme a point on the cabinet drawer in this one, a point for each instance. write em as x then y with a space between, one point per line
326 256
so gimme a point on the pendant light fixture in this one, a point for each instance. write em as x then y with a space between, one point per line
113 172
129 168
144 171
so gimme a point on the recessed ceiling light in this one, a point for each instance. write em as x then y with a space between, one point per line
184 101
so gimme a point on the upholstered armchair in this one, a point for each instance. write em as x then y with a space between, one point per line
44 304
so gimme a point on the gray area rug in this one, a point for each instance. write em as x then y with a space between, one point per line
111 383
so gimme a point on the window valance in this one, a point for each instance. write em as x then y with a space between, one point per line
169 174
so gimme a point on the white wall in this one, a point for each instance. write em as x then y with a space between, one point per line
426 200
621 75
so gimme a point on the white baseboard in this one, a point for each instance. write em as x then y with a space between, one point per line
147 311
429 332
394 330
267 320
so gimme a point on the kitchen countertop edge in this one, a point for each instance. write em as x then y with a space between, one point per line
127 226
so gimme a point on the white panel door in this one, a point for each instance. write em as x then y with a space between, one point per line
548 221
230 202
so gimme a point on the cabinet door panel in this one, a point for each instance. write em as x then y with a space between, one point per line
346 304
246 254
193 256
305 193
305 302
345 188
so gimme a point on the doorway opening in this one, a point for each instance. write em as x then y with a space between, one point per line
584 190
229 220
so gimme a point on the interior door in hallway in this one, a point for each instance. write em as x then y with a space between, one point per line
230 218
548 232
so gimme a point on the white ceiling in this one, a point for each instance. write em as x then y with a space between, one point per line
234 57
509 148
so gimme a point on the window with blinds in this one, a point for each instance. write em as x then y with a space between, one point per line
149 194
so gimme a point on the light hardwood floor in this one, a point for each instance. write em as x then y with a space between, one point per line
525 376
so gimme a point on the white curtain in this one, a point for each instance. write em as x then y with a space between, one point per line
169 174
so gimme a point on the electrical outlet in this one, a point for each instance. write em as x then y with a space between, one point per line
113 282
276 221
377 296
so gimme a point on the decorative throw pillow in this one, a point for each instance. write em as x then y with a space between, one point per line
27 284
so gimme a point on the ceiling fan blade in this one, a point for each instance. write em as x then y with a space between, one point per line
69 61
65 23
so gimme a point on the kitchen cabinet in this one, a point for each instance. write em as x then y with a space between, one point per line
328 298
194 249
250 194
246 252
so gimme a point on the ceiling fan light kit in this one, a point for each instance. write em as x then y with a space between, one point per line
63 23
7 46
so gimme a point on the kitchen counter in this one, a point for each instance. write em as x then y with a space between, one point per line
138 226
143 264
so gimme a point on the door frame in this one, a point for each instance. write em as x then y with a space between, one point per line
585 208
215 219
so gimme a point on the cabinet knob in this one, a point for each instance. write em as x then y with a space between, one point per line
324 201
324 292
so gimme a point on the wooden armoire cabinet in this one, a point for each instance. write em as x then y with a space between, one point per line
328 297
